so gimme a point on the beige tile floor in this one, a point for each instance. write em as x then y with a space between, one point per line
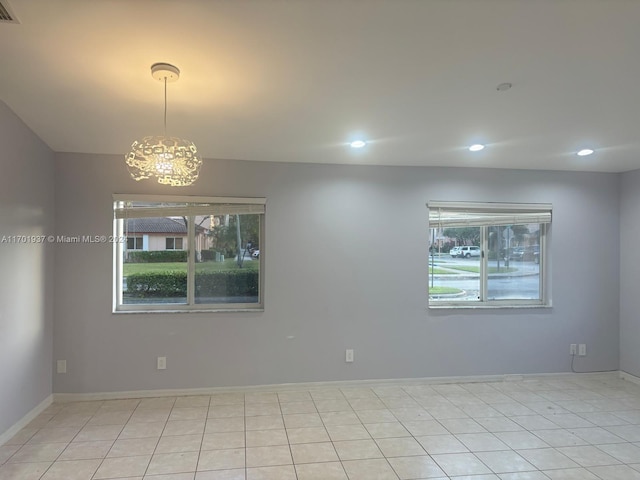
558 428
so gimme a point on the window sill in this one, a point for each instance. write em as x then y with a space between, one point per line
484 307
226 310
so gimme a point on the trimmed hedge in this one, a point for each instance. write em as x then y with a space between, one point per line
157 256
157 284
208 255
230 283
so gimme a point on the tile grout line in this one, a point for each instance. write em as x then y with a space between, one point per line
69 443
327 432
116 439
158 442
293 463
204 430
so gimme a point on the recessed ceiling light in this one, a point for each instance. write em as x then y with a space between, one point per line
503 87
357 144
584 152
476 147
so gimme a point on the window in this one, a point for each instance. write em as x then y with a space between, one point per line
173 243
488 254
199 253
134 243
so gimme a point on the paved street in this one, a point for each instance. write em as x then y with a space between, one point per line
522 283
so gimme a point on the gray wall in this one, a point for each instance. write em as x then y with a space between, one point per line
346 267
26 284
630 273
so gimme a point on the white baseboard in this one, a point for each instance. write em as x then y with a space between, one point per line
76 397
24 421
630 378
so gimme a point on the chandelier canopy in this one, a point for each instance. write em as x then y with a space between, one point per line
170 160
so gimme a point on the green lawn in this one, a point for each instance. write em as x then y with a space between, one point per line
228 264
443 290
439 271
472 269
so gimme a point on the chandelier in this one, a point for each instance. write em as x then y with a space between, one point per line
171 160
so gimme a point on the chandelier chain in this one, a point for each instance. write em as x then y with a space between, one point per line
165 106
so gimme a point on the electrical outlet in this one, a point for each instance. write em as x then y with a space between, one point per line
61 366
348 356
573 349
582 350
162 363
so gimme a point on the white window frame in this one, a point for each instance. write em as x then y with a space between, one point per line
193 205
484 215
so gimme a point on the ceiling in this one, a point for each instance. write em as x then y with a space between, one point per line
296 80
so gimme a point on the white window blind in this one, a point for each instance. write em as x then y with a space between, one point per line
457 214
130 208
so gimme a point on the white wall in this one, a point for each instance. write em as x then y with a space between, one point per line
26 284
346 267
630 273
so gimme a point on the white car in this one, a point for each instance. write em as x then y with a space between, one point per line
469 251
455 252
